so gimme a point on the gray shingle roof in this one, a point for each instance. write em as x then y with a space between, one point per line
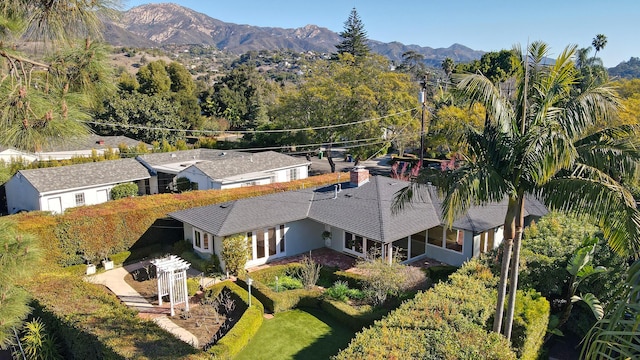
248 163
248 214
92 141
85 175
172 157
364 210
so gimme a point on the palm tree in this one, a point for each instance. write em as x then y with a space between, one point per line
541 143
448 65
599 42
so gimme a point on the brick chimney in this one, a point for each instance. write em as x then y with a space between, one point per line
359 176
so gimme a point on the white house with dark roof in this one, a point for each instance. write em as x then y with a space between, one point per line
56 189
221 169
359 218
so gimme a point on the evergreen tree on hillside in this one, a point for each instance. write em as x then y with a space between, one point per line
354 37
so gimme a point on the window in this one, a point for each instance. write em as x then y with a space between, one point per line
206 241
282 239
250 245
401 249
354 243
271 234
79 199
260 245
454 239
435 236
418 244
197 238
293 174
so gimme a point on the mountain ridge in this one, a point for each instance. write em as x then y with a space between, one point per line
151 25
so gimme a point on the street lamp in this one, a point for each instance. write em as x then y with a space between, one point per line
249 282
423 101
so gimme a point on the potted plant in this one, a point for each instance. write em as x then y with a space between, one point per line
107 264
91 269
326 235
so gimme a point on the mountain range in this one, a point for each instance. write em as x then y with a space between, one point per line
153 25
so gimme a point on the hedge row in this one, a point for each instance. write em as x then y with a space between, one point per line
448 322
91 323
354 318
276 302
101 230
244 330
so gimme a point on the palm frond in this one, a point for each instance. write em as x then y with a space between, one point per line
617 335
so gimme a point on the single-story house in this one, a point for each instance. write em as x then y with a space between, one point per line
354 217
84 146
58 188
8 154
221 169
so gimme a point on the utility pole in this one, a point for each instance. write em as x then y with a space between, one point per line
423 100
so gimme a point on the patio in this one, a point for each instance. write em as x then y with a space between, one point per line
331 258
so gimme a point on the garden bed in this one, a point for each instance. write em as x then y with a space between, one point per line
211 314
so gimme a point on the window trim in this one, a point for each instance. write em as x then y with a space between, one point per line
80 199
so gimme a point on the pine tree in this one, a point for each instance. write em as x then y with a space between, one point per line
354 37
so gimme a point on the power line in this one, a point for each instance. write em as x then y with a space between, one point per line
246 131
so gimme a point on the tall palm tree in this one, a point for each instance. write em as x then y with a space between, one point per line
599 42
541 143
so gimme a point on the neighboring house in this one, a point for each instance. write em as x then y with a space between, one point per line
58 188
221 169
8 155
359 218
84 146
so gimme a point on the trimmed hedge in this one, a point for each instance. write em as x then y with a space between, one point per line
530 324
120 258
354 318
244 330
100 230
276 302
91 323
448 322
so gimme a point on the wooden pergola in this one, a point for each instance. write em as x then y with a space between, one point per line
172 280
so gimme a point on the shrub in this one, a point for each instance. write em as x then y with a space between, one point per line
183 184
382 279
449 322
280 301
355 318
196 261
193 286
286 282
120 258
124 224
440 273
309 272
124 190
339 291
235 253
529 324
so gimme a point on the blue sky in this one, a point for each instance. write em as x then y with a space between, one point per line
487 25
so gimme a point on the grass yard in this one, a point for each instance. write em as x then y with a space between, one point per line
298 334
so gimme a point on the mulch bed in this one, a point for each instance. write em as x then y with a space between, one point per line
202 320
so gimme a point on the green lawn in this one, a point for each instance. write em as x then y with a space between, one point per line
298 334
